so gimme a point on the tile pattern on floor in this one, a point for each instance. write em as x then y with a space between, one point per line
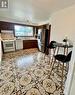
26 72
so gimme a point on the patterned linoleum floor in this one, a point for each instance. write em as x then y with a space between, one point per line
27 72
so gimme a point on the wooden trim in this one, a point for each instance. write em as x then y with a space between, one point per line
17 23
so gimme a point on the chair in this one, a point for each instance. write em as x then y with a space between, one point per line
51 46
63 59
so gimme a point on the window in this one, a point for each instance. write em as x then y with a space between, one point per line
23 30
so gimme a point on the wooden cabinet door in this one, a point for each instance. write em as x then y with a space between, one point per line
29 44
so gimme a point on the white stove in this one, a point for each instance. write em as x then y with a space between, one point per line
8 40
9 45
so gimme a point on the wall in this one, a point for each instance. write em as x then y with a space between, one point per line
62 25
72 91
0 50
69 85
7 34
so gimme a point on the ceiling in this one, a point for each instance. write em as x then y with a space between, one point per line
33 10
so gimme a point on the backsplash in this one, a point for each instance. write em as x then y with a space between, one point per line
7 35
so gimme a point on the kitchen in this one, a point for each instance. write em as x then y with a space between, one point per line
27 29
8 36
14 38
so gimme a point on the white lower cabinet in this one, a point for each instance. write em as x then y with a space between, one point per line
19 44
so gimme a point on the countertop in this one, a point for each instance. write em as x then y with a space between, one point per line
26 38
20 38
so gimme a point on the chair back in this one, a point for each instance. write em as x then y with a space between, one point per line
68 57
52 44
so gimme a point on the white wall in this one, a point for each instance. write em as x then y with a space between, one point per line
72 91
0 49
70 82
62 25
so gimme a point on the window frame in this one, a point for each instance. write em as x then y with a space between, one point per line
23 26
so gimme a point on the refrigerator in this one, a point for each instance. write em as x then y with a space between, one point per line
42 39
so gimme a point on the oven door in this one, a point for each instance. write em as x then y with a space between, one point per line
9 46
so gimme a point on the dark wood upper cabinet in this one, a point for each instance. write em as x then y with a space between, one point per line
6 26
